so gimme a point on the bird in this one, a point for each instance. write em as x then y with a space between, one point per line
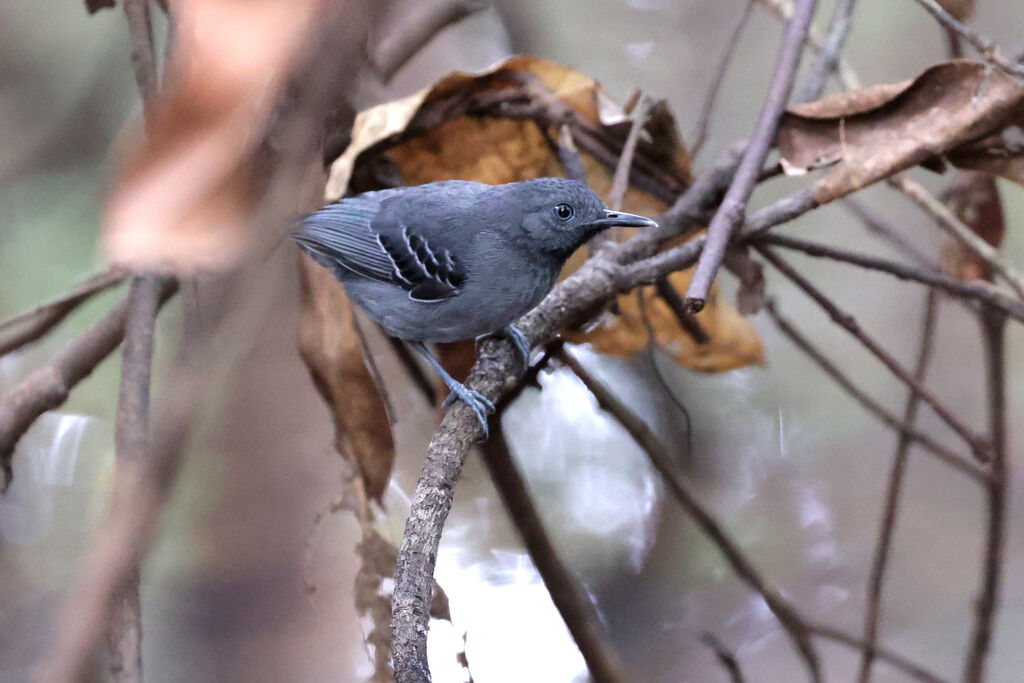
454 260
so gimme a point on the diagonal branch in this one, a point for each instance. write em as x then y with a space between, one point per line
970 290
48 387
34 324
894 488
968 467
704 120
570 598
665 463
979 446
828 56
731 213
985 45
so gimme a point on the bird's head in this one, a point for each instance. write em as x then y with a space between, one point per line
560 215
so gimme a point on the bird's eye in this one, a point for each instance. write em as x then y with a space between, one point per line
564 211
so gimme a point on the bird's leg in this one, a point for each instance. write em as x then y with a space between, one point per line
516 336
474 399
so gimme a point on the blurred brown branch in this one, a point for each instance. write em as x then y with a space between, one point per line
894 488
36 323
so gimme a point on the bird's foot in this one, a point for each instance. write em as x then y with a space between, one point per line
518 339
480 404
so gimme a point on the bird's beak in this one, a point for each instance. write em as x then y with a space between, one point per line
626 220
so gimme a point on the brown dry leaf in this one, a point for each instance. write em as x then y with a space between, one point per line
962 10
974 198
183 195
433 135
872 133
1001 154
331 347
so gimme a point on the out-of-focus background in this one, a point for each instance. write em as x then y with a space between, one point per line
794 468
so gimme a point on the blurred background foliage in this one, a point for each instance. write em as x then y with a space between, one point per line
794 468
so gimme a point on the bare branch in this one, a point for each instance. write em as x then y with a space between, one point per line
971 290
968 467
143 55
704 120
979 446
43 318
725 656
48 387
959 231
415 27
620 180
732 211
124 628
668 468
569 596
893 490
994 329
986 46
828 56
880 653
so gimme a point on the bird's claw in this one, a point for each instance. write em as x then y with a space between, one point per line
518 339
479 403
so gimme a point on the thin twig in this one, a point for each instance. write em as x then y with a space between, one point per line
881 227
416 26
893 491
37 322
971 290
648 270
983 44
48 387
725 656
968 467
620 181
825 64
667 466
732 211
882 654
674 300
783 9
959 231
979 446
700 133
569 597
993 329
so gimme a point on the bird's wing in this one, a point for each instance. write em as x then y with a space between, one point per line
346 235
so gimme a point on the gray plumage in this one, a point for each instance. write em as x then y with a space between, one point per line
455 260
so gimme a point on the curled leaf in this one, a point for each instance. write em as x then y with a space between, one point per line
866 135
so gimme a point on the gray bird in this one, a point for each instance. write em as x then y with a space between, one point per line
456 260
